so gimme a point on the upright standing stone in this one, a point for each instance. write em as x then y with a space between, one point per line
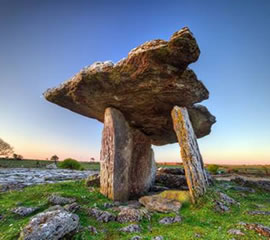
194 170
126 159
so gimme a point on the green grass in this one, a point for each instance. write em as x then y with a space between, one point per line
198 218
31 163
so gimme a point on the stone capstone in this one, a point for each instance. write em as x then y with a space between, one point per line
50 225
144 86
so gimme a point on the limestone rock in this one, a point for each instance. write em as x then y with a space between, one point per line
24 211
259 228
265 213
50 225
158 238
93 180
171 170
58 200
227 200
160 204
196 176
136 238
170 220
127 161
51 166
145 86
92 229
235 232
128 214
171 181
73 207
131 228
101 216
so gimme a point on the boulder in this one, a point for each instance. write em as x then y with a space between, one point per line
157 203
50 225
145 87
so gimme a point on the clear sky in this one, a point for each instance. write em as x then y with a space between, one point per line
43 43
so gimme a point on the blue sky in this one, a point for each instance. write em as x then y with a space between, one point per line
43 43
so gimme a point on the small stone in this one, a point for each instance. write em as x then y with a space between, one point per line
58 200
158 238
73 207
160 204
170 220
259 228
227 200
197 235
101 216
235 232
136 238
51 166
131 228
92 229
24 211
220 207
243 189
108 205
266 213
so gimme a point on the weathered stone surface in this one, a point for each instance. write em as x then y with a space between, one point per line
266 213
131 228
171 170
259 228
51 166
144 87
101 216
50 225
18 178
136 238
127 161
58 200
158 238
171 181
159 204
196 177
93 180
24 211
128 214
235 232
227 200
170 220
73 207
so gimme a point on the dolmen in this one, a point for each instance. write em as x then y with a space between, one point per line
148 98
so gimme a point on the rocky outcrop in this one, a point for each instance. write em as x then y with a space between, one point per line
50 225
127 166
145 87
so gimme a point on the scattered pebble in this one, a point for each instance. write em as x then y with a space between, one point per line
170 220
131 228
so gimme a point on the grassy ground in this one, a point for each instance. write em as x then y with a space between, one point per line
30 163
200 219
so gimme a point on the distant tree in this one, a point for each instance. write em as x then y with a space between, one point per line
54 158
92 159
17 156
5 148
